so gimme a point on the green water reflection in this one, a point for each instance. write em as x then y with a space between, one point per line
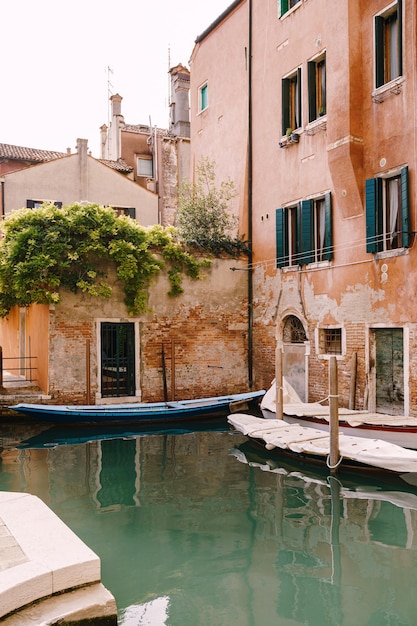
190 534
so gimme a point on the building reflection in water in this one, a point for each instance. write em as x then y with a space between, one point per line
177 517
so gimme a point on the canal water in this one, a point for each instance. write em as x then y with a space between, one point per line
196 528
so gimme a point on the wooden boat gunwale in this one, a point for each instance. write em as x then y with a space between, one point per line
136 412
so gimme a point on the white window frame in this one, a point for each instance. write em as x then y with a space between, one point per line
141 160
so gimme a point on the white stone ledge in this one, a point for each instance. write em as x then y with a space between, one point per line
56 560
92 603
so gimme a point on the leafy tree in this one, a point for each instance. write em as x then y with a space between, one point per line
46 249
204 219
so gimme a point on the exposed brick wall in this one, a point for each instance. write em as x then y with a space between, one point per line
208 325
269 309
209 352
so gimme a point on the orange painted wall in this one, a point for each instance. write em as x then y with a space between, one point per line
358 138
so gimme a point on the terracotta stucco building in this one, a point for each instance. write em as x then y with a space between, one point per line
314 118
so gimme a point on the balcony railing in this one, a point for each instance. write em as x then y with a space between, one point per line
19 369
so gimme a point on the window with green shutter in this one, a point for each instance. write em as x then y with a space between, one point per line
203 97
387 212
286 5
288 236
304 232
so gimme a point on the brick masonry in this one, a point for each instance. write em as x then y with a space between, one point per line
205 329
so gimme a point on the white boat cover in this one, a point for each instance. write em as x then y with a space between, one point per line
302 439
293 406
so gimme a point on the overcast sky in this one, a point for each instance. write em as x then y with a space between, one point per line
56 54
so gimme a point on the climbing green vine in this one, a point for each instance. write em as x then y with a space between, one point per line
48 249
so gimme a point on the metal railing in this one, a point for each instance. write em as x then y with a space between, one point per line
19 369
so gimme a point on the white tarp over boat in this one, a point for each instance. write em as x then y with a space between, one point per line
293 406
305 440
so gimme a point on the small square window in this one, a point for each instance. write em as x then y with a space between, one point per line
145 167
330 340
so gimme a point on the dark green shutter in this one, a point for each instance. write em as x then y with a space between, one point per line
379 51
131 213
283 7
30 204
312 99
328 233
405 208
299 100
373 199
285 104
281 252
306 253
400 37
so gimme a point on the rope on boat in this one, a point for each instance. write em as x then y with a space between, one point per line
331 467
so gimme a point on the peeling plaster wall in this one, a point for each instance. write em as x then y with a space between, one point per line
357 308
207 326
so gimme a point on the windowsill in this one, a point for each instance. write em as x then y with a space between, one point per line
393 88
202 111
320 124
326 357
288 140
316 265
290 268
386 254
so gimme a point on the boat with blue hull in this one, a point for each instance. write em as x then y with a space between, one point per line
139 412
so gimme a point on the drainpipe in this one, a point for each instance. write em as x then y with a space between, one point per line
3 212
250 255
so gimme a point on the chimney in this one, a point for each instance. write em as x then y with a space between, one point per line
103 141
180 101
114 148
82 147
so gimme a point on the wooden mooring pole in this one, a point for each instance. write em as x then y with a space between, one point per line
87 371
172 370
1 369
164 374
334 456
279 400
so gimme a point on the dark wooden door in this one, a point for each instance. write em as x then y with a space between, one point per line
389 371
117 359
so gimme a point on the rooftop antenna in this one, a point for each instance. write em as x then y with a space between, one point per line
169 86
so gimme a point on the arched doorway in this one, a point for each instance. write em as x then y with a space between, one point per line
294 340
